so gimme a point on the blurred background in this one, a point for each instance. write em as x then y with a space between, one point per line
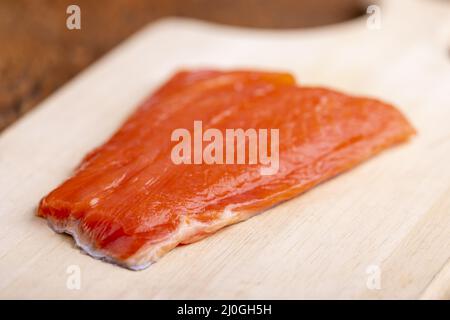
39 54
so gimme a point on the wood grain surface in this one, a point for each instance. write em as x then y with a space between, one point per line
39 53
390 215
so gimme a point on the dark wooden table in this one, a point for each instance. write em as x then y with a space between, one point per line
38 53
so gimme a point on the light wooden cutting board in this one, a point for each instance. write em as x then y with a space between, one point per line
381 230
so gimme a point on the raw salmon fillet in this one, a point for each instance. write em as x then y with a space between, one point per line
129 204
